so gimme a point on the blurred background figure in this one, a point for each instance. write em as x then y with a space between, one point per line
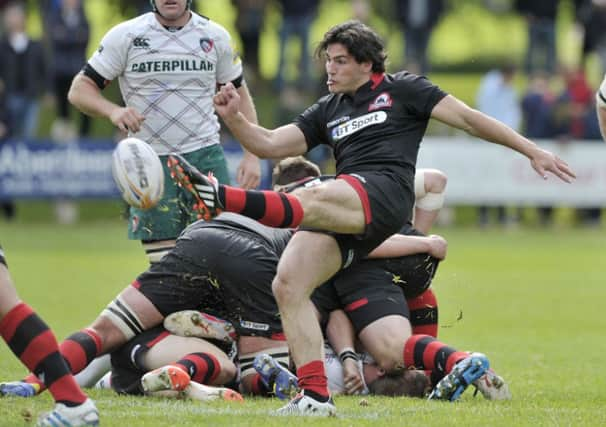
249 24
541 54
297 18
497 98
23 71
418 19
7 206
360 10
69 36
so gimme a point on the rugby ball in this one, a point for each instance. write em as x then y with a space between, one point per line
138 173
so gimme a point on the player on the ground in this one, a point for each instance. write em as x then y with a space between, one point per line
169 63
374 122
36 346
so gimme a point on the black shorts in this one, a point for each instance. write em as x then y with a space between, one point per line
412 273
127 365
221 271
366 293
387 207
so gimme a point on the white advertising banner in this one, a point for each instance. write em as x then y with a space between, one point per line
484 173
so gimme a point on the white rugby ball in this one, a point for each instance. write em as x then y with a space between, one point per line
138 173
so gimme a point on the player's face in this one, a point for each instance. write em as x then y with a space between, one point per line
345 75
172 12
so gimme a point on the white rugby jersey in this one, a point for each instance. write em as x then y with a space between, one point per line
170 77
334 371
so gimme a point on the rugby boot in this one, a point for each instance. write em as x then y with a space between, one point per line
303 405
205 393
275 376
492 386
205 189
460 377
85 414
19 389
167 377
192 323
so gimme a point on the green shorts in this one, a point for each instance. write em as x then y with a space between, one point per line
174 211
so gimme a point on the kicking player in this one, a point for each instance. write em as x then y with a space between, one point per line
374 122
31 340
169 63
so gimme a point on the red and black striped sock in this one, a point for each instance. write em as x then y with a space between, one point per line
425 352
271 208
36 346
312 379
202 368
258 387
424 314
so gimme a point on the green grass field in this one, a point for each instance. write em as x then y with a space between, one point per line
530 299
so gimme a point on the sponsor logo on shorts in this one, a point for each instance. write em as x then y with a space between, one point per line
247 324
382 101
354 125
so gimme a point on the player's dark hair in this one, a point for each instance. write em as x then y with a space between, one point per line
361 41
293 169
410 382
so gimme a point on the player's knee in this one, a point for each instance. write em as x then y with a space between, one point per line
285 291
110 335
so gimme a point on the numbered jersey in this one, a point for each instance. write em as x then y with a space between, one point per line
170 77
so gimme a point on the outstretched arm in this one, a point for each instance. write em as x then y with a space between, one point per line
282 142
457 114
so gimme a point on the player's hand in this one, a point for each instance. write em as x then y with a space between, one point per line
544 161
437 246
227 101
352 377
249 172
127 119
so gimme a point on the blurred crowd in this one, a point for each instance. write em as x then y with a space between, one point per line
557 102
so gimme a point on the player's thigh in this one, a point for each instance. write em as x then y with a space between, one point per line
384 339
309 260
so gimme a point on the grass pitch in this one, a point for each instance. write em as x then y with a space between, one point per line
530 299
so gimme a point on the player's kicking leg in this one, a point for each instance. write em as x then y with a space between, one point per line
34 344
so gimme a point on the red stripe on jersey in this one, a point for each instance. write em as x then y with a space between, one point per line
376 79
235 199
11 320
274 209
356 304
278 336
38 349
359 188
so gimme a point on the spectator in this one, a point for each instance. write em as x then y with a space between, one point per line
418 19
249 23
23 70
497 98
591 16
69 35
541 52
297 17
538 106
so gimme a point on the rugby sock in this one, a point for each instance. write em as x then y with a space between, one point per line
258 388
202 368
424 313
36 346
271 208
425 352
312 379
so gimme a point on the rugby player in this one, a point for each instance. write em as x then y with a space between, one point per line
169 63
374 122
31 340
